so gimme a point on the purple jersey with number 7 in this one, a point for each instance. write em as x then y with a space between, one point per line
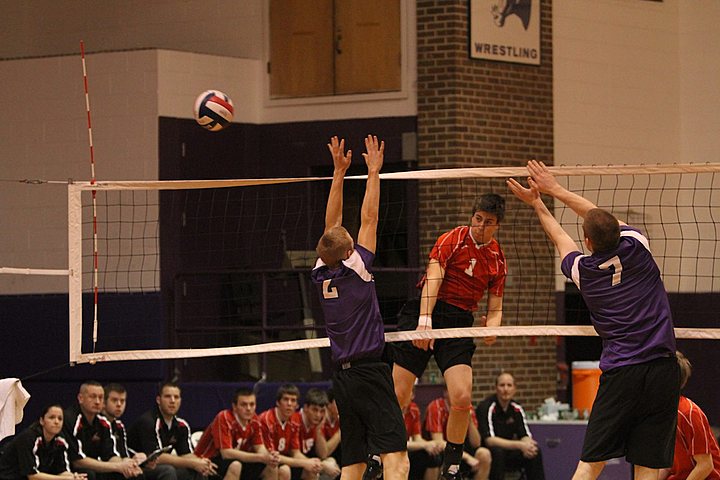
628 304
350 306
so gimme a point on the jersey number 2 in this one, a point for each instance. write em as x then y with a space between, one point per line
328 291
614 262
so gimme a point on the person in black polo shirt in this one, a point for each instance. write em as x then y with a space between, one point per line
91 437
115 403
40 452
504 431
161 427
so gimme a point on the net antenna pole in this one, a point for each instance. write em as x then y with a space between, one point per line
94 203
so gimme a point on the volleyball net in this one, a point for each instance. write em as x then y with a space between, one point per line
227 262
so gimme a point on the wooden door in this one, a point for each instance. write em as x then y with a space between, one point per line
301 48
367 55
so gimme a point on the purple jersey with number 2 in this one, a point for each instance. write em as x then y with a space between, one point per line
350 306
628 305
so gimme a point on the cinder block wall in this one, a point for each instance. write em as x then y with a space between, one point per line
478 113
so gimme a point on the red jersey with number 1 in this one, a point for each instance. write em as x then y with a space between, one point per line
471 269
281 436
226 432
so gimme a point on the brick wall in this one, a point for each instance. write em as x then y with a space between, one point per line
479 113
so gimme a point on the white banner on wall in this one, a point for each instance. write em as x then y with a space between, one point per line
505 30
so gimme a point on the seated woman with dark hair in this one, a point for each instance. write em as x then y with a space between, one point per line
40 452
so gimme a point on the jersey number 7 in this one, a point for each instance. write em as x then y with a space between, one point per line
614 262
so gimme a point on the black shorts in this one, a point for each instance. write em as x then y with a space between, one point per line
372 422
252 470
448 351
635 414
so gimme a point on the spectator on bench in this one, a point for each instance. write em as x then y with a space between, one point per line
161 427
331 428
234 442
114 408
310 420
425 455
282 435
40 452
90 436
505 432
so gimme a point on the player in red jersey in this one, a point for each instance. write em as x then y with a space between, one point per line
234 442
282 435
465 264
476 460
310 420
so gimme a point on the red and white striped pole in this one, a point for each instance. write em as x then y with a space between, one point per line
94 204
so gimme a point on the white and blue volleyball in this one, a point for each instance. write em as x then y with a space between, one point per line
213 110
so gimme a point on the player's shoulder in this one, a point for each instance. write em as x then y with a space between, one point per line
296 417
103 421
453 236
182 423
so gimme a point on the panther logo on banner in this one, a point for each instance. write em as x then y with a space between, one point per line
505 30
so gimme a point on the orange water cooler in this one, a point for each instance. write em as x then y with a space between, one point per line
585 382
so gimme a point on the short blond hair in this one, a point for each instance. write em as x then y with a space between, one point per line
333 245
685 368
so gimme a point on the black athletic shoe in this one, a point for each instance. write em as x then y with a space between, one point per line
374 468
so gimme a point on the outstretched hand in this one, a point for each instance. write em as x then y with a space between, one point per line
375 153
341 160
544 180
526 195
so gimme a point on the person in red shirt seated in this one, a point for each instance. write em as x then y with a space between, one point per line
234 442
425 455
476 459
310 420
331 427
697 455
282 435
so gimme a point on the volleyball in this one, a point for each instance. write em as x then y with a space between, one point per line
213 110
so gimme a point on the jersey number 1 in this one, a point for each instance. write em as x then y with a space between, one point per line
328 291
614 262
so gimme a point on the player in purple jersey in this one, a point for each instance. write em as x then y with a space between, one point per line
372 423
634 413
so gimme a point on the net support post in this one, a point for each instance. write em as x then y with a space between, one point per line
75 271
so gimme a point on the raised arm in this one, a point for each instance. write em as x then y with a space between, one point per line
531 196
367 236
434 276
341 162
